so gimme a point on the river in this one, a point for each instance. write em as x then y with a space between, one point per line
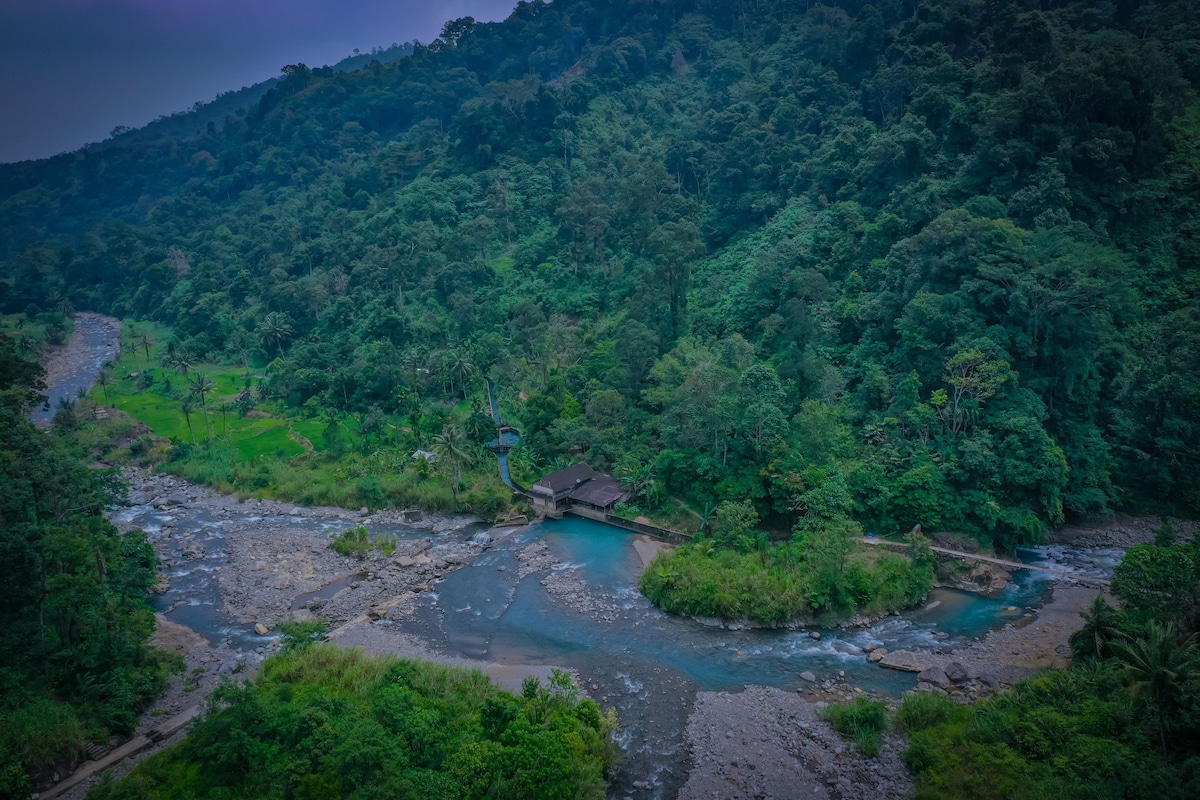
580 609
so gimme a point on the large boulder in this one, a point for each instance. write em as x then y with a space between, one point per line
876 655
934 676
905 660
957 673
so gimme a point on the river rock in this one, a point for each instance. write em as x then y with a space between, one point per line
405 561
957 673
261 629
303 615
905 661
876 655
808 676
988 679
815 634
925 686
935 676
174 499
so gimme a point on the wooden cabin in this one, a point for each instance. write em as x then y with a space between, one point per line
577 486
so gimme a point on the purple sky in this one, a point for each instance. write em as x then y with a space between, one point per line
72 70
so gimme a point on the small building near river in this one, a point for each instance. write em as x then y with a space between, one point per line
579 487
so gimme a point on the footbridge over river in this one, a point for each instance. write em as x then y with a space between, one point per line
1002 562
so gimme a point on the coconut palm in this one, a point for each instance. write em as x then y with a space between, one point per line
145 340
182 362
201 385
1101 627
103 379
454 453
187 407
461 369
275 328
1158 667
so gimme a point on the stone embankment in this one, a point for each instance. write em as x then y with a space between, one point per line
1122 531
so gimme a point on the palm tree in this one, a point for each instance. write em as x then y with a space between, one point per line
454 453
461 369
187 407
182 363
1101 627
103 379
708 515
200 386
275 328
1158 666
145 340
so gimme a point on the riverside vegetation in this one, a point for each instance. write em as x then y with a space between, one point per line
74 621
322 722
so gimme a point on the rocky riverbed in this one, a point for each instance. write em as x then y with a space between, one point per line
768 744
72 368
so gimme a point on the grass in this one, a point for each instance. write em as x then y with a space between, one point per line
923 710
862 719
357 542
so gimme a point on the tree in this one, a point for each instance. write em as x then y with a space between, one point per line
275 329
674 246
973 378
735 525
145 340
1161 583
201 385
182 362
1101 627
454 453
461 369
187 407
103 379
1158 668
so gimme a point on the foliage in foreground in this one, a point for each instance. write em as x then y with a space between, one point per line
74 621
324 722
1070 734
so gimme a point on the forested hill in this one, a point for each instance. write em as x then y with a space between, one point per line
913 262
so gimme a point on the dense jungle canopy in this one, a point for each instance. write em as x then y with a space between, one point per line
903 261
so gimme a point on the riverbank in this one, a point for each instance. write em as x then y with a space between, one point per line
71 370
765 742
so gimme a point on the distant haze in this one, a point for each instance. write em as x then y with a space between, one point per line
73 70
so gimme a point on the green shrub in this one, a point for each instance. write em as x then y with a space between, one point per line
355 541
862 719
921 710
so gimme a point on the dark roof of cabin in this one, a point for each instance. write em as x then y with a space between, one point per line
567 478
601 491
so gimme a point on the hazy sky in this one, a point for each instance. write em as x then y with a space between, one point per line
72 70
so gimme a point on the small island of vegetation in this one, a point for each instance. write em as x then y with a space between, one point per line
823 571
